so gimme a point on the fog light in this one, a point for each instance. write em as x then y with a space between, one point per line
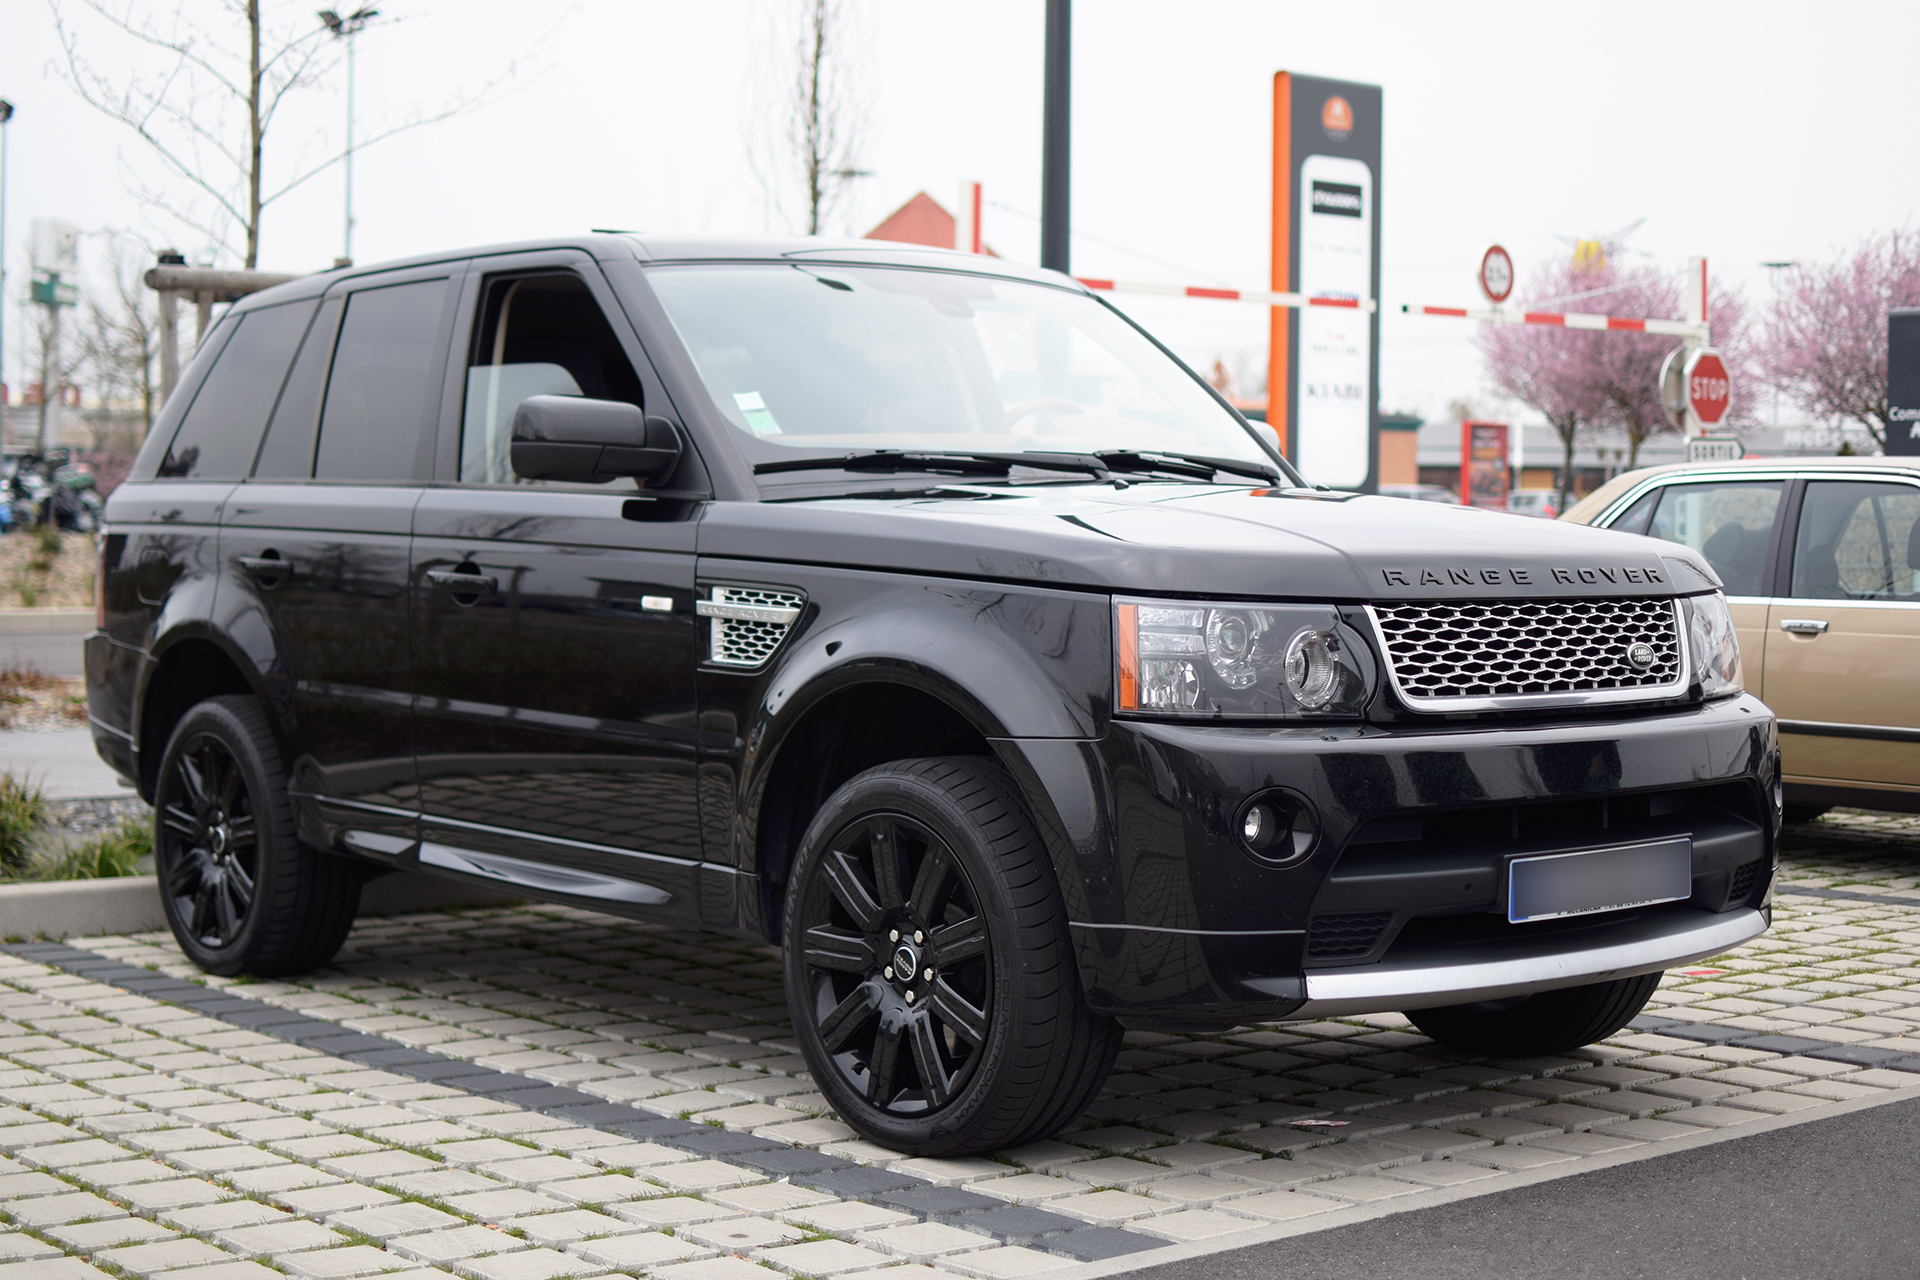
1279 828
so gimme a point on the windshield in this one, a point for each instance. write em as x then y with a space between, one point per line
883 358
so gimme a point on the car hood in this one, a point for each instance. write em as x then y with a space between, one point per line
1207 539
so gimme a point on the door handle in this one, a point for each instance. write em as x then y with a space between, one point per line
1803 626
268 569
463 584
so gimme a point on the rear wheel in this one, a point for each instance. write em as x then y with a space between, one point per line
932 984
1547 1022
240 892
1795 814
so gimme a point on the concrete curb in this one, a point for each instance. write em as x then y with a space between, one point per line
131 904
41 622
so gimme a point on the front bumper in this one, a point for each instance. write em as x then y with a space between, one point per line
1646 944
1176 924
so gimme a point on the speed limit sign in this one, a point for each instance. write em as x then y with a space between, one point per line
1496 275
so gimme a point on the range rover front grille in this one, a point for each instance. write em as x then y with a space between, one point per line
1443 654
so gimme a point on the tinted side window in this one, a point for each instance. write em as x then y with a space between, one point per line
537 336
221 431
1728 522
1858 540
385 372
288 449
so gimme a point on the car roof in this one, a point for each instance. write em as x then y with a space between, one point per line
648 248
1600 499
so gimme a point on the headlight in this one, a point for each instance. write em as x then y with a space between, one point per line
1254 661
1711 645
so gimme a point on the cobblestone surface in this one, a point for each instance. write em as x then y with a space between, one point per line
539 1092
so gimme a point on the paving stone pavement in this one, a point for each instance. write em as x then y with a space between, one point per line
539 1092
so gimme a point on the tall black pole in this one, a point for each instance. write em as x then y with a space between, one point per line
1056 144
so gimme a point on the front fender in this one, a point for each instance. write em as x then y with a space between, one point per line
1013 663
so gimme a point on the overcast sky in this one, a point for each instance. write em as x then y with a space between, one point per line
1746 132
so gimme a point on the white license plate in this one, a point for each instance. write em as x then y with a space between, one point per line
1590 880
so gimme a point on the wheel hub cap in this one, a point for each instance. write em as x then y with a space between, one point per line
906 962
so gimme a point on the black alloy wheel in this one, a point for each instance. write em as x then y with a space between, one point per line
240 892
933 985
209 841
897 964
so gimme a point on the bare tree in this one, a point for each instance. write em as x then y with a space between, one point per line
809 170
119 341
38 333
205 93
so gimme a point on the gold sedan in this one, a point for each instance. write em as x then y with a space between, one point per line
1821 560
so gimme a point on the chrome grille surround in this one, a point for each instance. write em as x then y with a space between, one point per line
1491 655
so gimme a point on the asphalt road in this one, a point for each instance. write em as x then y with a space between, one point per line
1837 1197
55 654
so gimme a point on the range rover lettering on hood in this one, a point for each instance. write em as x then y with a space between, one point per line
1454 577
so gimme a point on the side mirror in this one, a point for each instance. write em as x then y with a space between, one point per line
590 441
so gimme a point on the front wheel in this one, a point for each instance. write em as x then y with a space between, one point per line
240 892
1547 1022
928 969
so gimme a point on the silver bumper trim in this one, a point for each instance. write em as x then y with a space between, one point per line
1643 946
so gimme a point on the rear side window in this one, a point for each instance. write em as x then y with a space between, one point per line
1728 522
221 431
287 452
1858 540
385 374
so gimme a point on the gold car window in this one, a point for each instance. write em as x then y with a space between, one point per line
1858 540
1728 522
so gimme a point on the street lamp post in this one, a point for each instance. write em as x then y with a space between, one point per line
1776 268
346 28
6 114
1056 138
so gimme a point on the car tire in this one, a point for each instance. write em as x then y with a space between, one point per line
1546 1022
1796 814
240 892
932 867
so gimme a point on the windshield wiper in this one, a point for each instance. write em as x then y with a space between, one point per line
966 464
1200 466
1101 464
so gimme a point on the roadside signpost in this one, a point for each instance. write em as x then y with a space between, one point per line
1709 389
1496 275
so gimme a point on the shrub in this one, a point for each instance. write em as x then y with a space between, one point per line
23 811
112 853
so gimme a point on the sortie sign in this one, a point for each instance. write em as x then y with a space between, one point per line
1709 389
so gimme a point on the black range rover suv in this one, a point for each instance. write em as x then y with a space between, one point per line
918 613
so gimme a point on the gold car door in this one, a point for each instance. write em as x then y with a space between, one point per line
1842 659
1730 522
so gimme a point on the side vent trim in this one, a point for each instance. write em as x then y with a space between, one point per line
747 624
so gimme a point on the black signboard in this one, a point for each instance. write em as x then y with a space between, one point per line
1903 382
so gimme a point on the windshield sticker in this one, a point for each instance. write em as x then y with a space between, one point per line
759 417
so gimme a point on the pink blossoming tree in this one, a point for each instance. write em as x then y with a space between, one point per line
1584 379
1826 335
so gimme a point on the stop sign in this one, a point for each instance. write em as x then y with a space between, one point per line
1709 389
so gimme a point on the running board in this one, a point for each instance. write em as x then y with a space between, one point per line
540 877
